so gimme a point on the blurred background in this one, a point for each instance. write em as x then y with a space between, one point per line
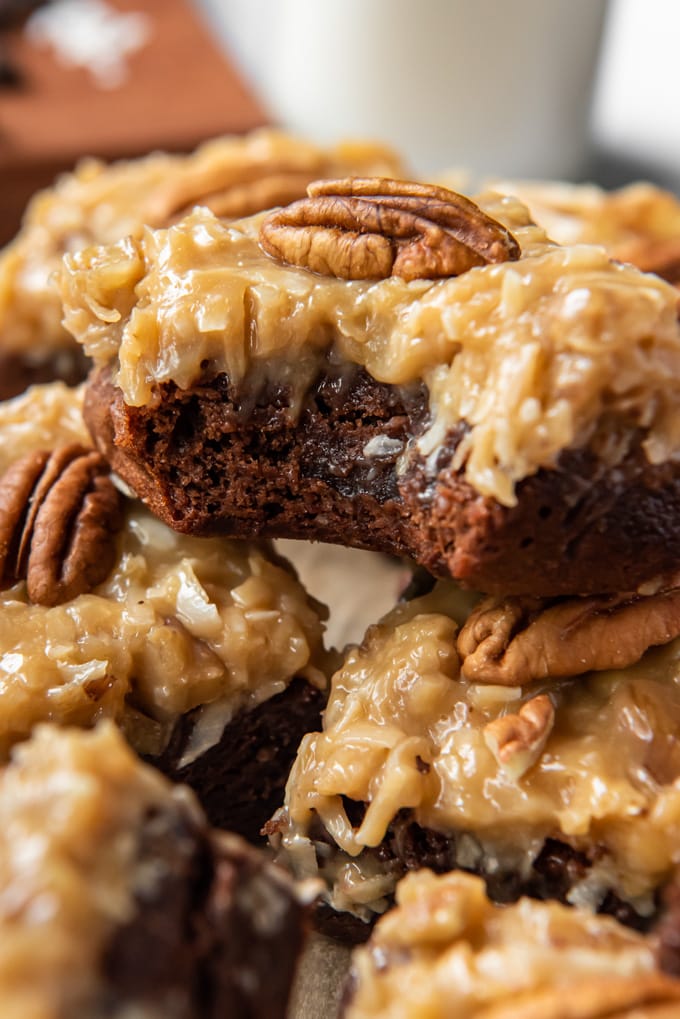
578 89
573 89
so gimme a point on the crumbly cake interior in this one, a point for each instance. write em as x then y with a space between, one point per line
404 730
445 950
530 354
71 807
100 203
179 622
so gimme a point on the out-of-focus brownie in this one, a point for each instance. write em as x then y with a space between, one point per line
511 424
207 653
118 899
667 929
531 742
100 204
639 223
446 950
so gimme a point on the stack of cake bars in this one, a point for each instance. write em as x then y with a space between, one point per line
287 342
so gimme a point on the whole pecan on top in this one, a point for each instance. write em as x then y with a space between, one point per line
59 512
374 227
512 641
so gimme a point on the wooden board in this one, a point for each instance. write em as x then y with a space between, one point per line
179 90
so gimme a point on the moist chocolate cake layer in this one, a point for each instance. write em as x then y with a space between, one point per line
554 872
215 933
556 869
343 467
240 780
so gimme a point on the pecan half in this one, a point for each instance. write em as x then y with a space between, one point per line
59 512
231 194
512 641
375 227
517 740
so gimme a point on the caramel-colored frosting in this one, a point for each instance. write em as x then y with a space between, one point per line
179 623
446 951
530 354
100 203
405 730
626 221
71 807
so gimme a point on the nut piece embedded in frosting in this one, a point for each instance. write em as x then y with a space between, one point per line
531 355
446 951
100 204
372 228
514 641
488 773
59 516
517 741
176 625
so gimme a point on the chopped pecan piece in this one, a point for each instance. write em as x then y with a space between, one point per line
517 740
513 641
59 512
374 227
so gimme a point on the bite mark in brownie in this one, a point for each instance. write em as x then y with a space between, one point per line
207 654
244 461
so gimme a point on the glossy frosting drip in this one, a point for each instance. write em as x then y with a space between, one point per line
100 203
530 354
179 623
404 729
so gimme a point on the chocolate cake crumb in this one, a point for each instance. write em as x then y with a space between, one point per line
249 462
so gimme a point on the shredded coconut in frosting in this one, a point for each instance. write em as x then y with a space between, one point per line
446 951
529 354
179 623
404 730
